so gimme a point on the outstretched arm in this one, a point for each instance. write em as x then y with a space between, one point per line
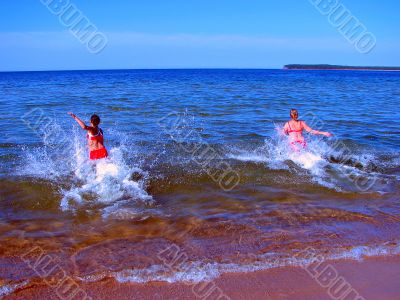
79 121
312 131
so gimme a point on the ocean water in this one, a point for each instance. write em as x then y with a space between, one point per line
198 169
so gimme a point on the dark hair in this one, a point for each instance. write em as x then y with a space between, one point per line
293 112
95 120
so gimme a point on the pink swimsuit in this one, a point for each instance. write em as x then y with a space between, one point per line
294 144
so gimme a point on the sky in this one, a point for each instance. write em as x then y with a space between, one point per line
190 34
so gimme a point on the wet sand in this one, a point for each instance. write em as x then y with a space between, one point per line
372 278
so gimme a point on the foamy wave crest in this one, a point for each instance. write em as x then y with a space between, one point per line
198 271
8 289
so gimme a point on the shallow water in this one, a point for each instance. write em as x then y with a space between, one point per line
197 166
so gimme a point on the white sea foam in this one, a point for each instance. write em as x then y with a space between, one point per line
198 271
8 289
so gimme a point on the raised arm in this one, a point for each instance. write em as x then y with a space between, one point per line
80 122
312 131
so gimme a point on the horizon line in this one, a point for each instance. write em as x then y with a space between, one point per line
143 69
203 68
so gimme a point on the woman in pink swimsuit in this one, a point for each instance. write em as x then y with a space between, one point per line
294 129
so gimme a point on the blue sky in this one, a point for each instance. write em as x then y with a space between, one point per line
193 34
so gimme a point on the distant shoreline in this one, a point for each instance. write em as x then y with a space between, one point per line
338 68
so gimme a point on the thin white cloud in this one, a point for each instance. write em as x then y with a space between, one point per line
134 38
116 39
61 50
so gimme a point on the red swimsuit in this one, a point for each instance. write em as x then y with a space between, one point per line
98 153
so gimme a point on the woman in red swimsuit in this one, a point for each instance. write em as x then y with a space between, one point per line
294 129
94 136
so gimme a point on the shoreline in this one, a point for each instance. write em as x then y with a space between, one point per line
324 67
371 278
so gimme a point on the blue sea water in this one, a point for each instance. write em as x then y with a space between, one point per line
229 104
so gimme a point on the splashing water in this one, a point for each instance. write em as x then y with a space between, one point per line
104 182
330 164
108 180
